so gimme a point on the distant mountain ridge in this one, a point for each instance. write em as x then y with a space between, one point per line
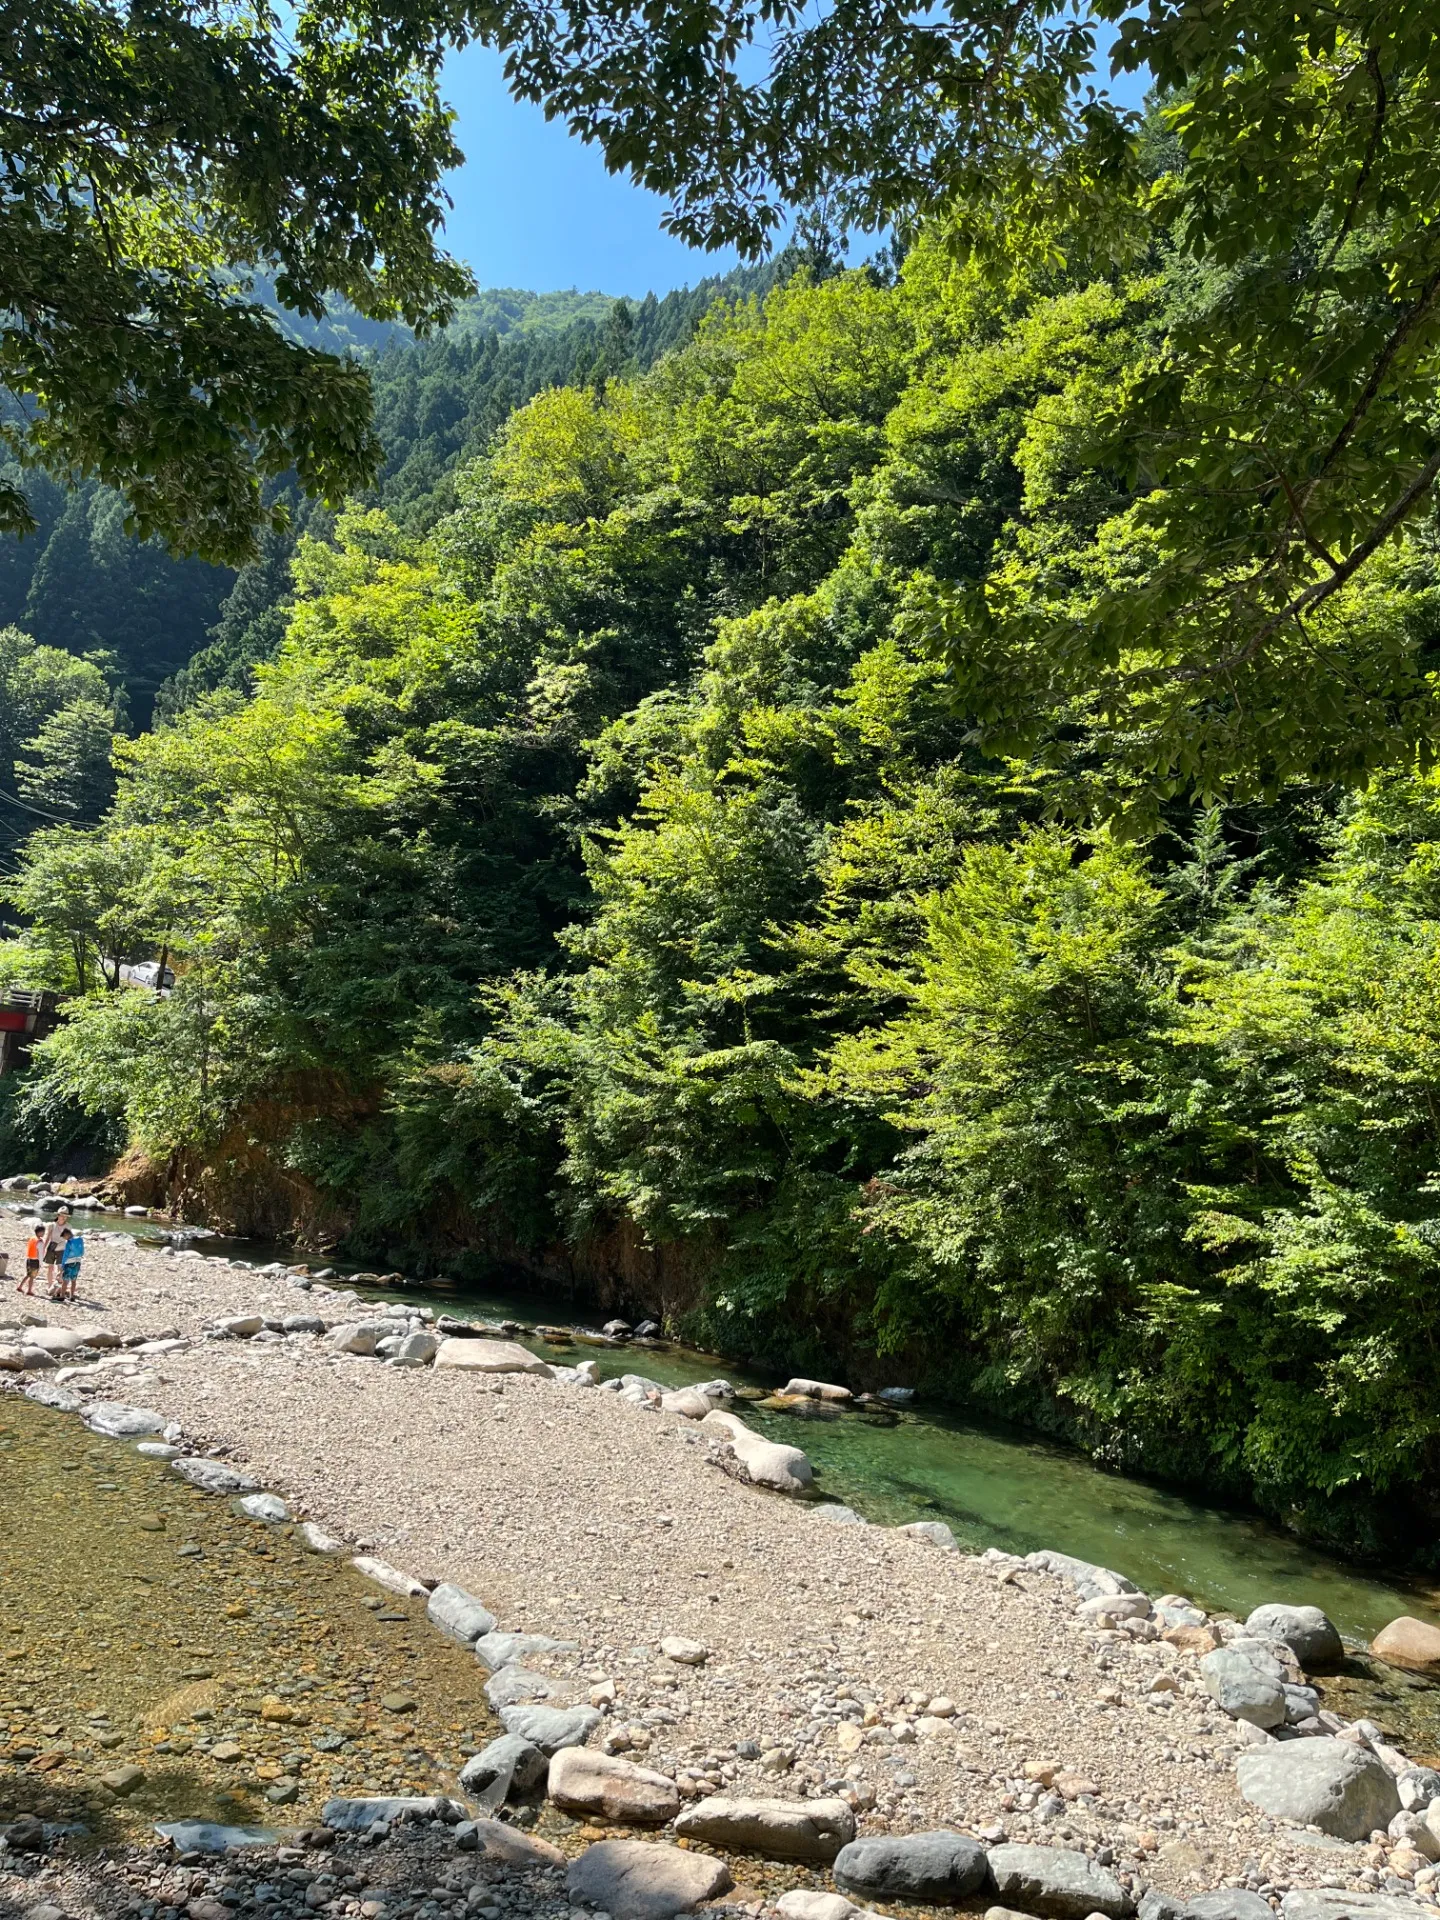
508 312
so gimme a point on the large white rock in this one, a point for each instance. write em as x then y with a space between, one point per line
213 1476
643 1880
208 1836
384 1575
382 1811
603 1786
1330 1784
1058 1882
781 1829
120 1422
816 1390
1311 1637
459 1613
353 1337
496 1650
263 1506
507 1845
801 1903
489 1775
935 1531
768 1464
550 1728
1326 1903
54 1339
685 1401
1246 1684
317 1540
492 1356
417 1349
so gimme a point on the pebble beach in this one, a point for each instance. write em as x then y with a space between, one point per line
811 1658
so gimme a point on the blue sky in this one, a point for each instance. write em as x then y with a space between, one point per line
535 208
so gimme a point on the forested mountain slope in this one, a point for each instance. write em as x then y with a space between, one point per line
82 583
604 875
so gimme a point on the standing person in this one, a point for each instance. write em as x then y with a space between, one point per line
32 1265
71 1256
5 1267
50 1246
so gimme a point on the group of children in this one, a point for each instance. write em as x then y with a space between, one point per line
59 1249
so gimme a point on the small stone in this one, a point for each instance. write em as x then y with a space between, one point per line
397 1702
124 1780
263 1506
686 1653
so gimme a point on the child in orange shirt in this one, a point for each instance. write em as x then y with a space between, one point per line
32 1265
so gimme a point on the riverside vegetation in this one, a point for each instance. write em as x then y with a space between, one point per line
884 830
613 860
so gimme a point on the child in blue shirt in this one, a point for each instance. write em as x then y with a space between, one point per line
72 1253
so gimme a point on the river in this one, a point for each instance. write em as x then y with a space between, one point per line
998 1486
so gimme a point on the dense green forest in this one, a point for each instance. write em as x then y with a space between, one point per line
167 629
584 854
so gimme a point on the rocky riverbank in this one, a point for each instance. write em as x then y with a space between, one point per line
744 1646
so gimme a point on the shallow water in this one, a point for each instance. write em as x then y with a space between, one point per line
146 1624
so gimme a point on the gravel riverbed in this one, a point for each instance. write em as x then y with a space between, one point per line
841 1659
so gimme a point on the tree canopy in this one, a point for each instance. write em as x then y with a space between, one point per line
156 158
1278 430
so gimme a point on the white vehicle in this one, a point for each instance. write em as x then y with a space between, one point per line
148 975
